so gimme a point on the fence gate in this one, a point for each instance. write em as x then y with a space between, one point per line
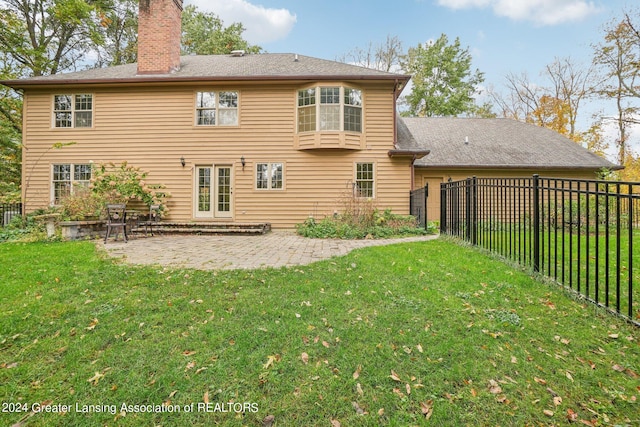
418 205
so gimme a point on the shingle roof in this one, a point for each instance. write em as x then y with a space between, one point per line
266 66
497 143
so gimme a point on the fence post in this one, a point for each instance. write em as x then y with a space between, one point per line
474 211
536 223
467 209
443 208
426 202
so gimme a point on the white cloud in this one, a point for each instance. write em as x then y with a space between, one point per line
262 25
540 12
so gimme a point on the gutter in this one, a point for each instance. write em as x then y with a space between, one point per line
146 79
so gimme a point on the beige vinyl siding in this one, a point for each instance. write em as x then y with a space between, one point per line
153 127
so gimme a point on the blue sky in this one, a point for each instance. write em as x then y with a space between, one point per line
503 36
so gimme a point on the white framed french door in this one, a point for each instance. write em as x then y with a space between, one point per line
213 191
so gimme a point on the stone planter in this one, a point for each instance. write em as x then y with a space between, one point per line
79 230
49 222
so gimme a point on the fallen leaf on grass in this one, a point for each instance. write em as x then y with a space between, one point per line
502 399
95 378
271 360
335 423
548 413
627 371
326 344
359 389
427 408
494 388
305 358
358 409
268 421
572 416
205 398
190 365
356 374
188 353
557 401
92 325
539 380
394 376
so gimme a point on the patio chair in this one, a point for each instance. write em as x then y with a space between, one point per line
154 219
116 220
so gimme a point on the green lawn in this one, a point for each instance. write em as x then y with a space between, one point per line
384 336
587 263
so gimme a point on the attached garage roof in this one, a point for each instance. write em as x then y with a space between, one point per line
495 144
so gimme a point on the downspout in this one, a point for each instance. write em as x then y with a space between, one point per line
413 178
395 114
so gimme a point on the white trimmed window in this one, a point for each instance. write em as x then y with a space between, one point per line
217 108
269 176
73 111
67 177
365 180
330 109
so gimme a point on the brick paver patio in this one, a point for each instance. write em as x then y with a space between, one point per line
275 249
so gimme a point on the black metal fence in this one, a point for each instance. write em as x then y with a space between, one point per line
582 233
8 211
418 205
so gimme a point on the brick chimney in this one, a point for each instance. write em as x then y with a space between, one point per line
159 31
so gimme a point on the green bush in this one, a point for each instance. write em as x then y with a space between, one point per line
361 223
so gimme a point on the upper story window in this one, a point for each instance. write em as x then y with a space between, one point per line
217 108
330 109
73 111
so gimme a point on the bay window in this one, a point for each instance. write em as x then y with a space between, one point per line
330 109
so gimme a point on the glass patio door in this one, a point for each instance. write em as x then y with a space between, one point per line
222 208
213 192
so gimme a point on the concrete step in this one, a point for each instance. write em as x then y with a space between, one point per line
168 227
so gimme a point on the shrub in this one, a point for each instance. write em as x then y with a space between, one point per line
119 184
359 221
82 204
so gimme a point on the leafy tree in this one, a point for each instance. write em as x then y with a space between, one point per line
570 85
203 33
552 113
119 29
45 37
443 82
618 60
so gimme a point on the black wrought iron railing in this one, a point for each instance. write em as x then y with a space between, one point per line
582 233
8 211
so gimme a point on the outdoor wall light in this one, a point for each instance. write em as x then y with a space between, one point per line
182 162
243 162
